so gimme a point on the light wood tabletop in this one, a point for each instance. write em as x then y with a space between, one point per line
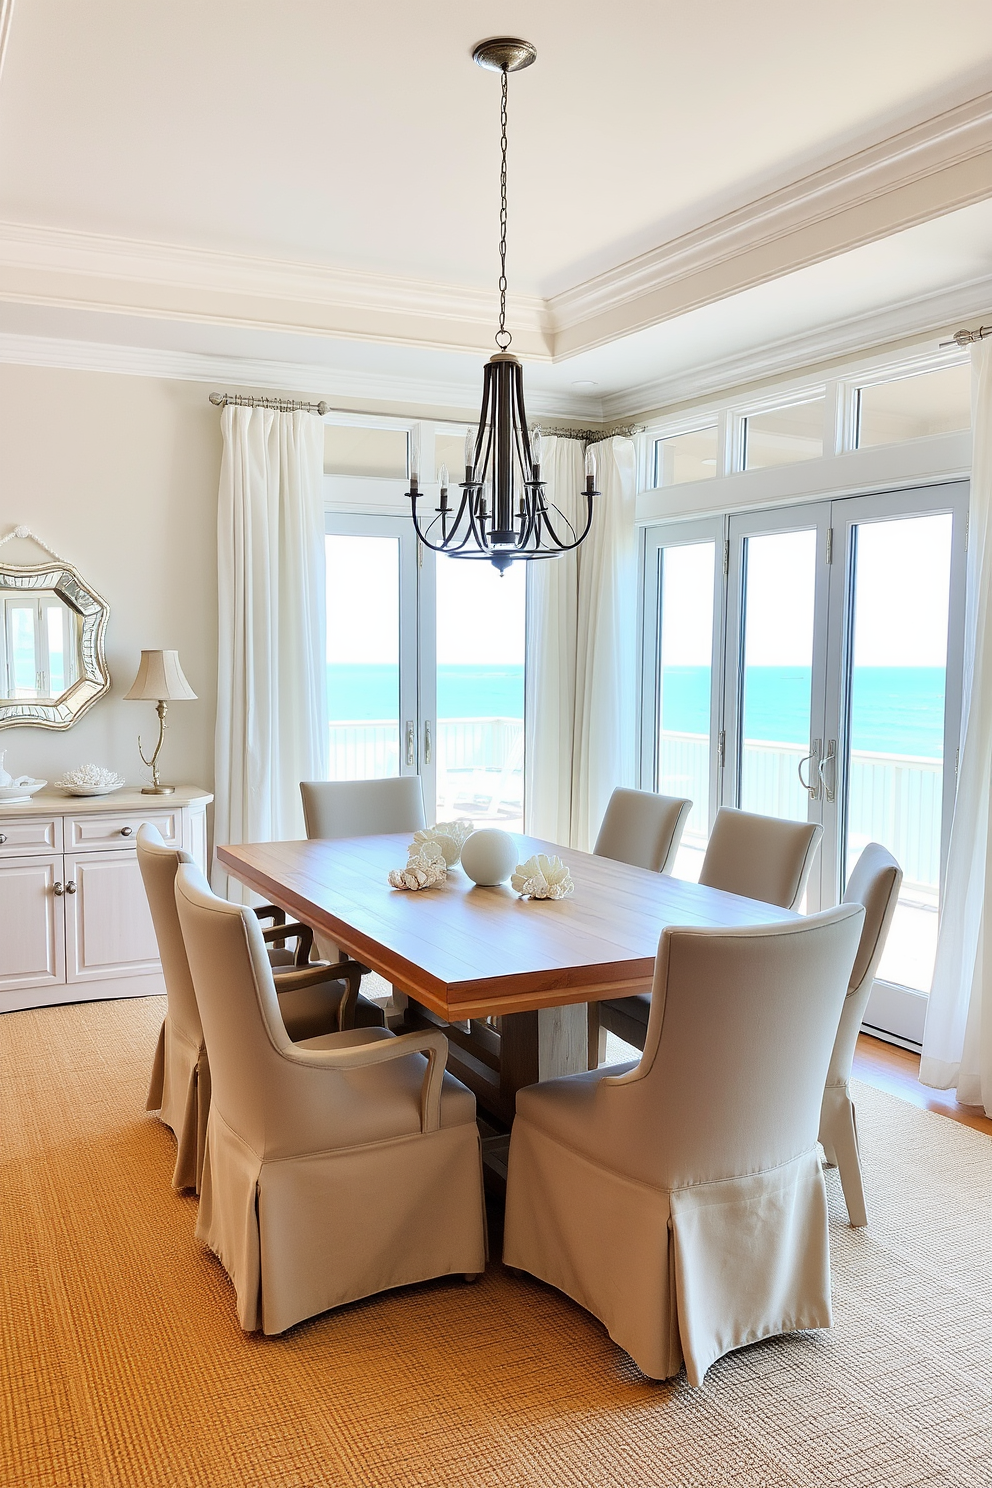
468 952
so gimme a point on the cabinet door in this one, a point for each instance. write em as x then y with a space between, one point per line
108 927
32 949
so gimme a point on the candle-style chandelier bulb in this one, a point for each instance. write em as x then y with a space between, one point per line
590 465
442 477
502 512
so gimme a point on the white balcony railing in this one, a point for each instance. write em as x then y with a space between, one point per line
892 798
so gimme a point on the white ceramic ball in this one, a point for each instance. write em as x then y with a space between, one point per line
489 856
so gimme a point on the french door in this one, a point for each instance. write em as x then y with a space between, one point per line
425 669
806 663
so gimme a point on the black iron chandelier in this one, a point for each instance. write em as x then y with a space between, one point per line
502 512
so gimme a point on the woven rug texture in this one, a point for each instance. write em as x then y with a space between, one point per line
124 1366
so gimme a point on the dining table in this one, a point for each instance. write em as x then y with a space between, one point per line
510 979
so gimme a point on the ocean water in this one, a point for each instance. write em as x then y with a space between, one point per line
894 710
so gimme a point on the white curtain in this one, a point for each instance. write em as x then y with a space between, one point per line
581 651
957 1043
271 677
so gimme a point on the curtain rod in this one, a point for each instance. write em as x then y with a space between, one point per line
965 338
281 405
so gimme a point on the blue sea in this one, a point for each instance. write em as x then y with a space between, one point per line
894 710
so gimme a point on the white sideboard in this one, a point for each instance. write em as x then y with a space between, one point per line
74 921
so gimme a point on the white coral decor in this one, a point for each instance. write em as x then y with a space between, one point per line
91 777
542 877
449 836
425 868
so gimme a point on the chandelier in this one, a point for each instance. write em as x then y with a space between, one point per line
502 511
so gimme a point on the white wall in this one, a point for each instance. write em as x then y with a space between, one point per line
119 474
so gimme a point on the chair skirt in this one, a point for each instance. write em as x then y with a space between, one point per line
681 1276
300 1235
179 1091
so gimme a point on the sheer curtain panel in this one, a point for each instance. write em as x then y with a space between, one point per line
271 687
957 1042
581 651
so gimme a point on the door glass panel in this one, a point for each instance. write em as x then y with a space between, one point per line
684 690
896 722
776 679
25 662
479 732
363 656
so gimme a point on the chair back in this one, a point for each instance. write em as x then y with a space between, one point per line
642 828
740 1032
760 857
159 865
874 883
363 808
239 1009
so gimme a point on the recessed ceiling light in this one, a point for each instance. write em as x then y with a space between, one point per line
585 382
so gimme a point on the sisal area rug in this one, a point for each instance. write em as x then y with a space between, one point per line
123 1363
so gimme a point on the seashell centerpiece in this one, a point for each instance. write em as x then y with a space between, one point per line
90 780
542 877
425 868
449 836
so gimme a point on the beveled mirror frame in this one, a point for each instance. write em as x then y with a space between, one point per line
62 712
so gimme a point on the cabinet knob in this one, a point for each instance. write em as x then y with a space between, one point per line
58 888
126 831
70 887
3 837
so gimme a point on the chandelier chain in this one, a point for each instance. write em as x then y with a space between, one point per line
503 336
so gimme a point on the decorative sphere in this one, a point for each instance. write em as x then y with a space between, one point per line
489 856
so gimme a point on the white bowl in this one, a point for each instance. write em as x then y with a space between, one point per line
11 793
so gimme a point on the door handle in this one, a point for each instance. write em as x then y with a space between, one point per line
411 743
428 743
812 788
830 758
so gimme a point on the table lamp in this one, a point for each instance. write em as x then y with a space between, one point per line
160 677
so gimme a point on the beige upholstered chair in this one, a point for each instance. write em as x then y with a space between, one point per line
875 885
681 1200
363 808
334 1168
312 1000
360 808
760 857
642 828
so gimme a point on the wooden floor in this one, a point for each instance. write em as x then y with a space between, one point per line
897 1070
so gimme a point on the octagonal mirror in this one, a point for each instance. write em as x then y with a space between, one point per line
52 661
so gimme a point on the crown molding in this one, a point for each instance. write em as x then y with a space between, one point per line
58 266
915 175
920 173
919 316
290 377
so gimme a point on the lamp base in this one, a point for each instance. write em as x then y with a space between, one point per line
157 790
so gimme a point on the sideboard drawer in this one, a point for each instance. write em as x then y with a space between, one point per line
30 834
119 829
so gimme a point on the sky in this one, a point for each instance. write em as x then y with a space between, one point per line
901 594
480 615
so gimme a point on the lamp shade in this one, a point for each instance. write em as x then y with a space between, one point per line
160 678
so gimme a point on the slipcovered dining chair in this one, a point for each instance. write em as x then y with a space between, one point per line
363 808
681 1199
642 828
313 999
759 857
875 884
360 808
334 1168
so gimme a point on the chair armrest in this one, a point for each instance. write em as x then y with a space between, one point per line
302 934
271 912
431 1042
290 978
